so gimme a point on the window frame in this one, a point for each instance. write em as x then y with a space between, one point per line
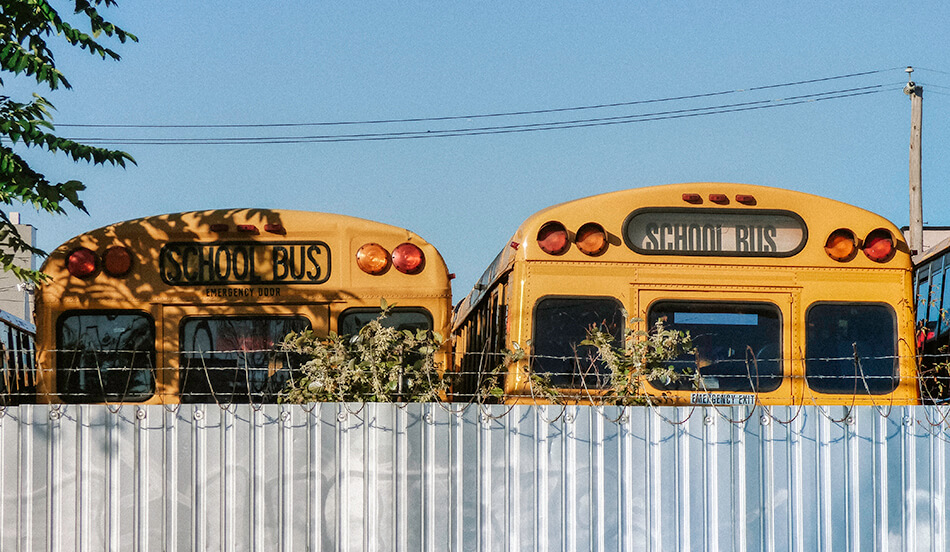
859 388
70 397
779 375
577 380
378 310
205 393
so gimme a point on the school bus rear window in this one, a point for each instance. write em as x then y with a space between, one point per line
560 324
105 356
235 359
851 348
737 345
352 320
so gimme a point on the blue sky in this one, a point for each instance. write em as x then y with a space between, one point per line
216 62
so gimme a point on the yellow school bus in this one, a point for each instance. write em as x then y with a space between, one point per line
789 298
188 307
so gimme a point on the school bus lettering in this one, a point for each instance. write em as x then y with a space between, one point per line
296 262
720 232
684 237
183 264
757 239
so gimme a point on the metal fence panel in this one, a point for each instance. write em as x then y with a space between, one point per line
371 477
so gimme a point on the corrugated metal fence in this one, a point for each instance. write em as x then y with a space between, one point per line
422 477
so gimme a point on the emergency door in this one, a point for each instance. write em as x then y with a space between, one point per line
231 354
742 343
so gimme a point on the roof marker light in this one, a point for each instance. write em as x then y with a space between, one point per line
745 199
693 198
275 228
247 229
721 199
220 227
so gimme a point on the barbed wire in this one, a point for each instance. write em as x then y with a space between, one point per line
257 385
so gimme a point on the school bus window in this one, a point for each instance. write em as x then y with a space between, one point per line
851 348
105 356
737 345
6 359
234 358
352 320
933 297
944 301
923 294
560 324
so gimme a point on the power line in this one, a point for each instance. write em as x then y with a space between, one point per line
491 115
931 70
504 129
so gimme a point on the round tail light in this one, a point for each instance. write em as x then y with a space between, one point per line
408 259
591 239
117 261
879 245
372 258
841 245
81 263
552 238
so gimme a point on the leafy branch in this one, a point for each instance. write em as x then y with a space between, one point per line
25 26
377 364
491 385
643 356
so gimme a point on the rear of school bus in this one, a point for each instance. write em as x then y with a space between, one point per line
788 298
189 307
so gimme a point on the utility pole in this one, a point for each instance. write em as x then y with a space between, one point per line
916 225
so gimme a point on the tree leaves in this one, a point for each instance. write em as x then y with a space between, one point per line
25 26
642 356
377 364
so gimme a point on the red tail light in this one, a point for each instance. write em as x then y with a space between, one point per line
552 238
81 263
591 239
117 261
879 245
408 259
841 245
372 258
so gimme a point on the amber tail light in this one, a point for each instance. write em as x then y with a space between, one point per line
117 261
841 245
373 258
591 239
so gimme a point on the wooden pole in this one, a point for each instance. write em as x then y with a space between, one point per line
916 225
